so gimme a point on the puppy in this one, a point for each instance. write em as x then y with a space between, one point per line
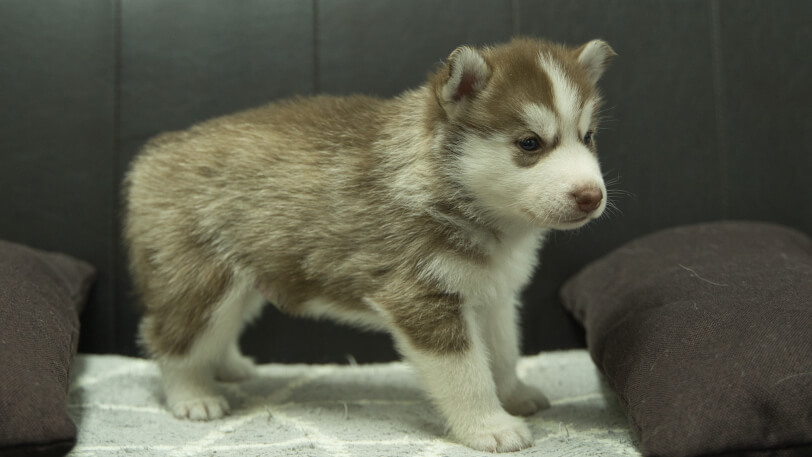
420 215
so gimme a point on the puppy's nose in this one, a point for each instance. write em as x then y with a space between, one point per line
588 198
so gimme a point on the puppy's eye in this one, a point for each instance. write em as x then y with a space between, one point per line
588 138
530 144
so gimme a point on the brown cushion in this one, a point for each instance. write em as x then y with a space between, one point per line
705 333
40 297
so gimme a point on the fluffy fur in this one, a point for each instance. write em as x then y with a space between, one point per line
419 215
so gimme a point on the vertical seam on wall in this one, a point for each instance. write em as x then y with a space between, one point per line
316 70
116 173
719 89
514 17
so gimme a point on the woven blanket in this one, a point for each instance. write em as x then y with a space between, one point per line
331 410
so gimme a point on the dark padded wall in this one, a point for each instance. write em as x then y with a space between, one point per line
708 108
58 163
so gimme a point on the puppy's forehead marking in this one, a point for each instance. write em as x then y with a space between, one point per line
541 120
587 113
565 96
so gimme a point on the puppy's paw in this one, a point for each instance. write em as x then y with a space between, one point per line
498 433
525 400
236 368
200 409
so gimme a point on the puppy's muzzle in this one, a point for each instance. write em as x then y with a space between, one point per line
588 199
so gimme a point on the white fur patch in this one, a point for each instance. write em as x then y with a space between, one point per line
488 171
374 319
565 97
587 113
541 120
499 281
541 195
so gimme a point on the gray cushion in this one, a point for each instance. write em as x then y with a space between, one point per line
40 298
705 333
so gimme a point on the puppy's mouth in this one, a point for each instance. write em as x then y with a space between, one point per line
577 220
550 221
573 223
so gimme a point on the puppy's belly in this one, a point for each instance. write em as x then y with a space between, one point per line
355 314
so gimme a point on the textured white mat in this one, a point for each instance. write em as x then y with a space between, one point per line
331 410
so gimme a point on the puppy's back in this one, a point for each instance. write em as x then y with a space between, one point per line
270 160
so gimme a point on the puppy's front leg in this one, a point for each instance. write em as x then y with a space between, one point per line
441 339
499 329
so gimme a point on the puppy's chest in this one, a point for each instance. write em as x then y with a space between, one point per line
500 277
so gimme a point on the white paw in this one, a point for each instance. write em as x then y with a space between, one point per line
200 409
525 400
236 368
499 433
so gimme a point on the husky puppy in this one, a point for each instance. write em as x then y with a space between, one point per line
420 215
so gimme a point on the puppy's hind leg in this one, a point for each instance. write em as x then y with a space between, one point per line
189 377
233 366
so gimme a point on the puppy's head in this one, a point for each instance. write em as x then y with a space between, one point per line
520 122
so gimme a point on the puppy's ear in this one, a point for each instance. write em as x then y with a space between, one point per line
594 56
466 74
